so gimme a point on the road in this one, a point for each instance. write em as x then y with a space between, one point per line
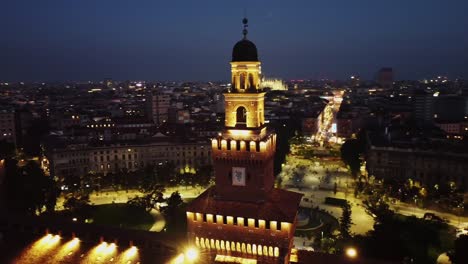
325 130
408 209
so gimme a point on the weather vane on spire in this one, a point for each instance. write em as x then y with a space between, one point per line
244 32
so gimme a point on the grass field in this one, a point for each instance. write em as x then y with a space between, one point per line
121 215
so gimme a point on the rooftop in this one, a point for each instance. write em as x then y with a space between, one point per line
281 205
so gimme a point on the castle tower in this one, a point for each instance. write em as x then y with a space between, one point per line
244 152
243 215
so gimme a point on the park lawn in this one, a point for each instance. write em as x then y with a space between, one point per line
122 216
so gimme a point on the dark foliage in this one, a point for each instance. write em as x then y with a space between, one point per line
28 190
459 255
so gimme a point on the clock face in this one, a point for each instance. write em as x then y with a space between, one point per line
238 176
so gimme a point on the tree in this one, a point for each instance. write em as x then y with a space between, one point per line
173 204
459 254
150 199
345 221
204 175
77 203
376 207
34 134
409 238
350 152
28 189
175 216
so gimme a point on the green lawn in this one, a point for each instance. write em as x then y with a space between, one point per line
121 215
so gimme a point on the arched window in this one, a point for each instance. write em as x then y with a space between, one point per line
241 116
242 81
251 82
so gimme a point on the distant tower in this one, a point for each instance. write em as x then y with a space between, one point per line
423 107
157 107
243 215
355 81
385 78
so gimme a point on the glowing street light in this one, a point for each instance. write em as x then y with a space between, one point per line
179 259
191 254
110 249
351 252
131 252
101 248
68 249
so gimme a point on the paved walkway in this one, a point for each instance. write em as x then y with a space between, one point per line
159 221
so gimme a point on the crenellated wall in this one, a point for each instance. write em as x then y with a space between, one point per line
225 235
243 149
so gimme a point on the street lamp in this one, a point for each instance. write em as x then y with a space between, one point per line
351 252
191 254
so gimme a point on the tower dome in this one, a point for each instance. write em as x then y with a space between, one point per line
244 50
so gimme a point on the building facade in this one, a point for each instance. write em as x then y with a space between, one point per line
243 217
428 167
75 160
158 107
7 126
423 107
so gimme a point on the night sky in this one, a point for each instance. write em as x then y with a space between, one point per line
51 40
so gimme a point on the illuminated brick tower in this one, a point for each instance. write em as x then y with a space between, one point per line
243 217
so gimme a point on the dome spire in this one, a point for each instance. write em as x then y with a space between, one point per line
244 32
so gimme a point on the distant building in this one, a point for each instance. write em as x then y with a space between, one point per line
450 108
350 120
355 81
2 185
8 126
179 116
385 78
61 121
158 107
108 82
429 167
457 130
311 123
273 84
218 106
74 160
423 107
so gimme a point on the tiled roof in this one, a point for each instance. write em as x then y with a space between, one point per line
281 205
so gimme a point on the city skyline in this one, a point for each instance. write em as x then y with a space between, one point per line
57 41
268 167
